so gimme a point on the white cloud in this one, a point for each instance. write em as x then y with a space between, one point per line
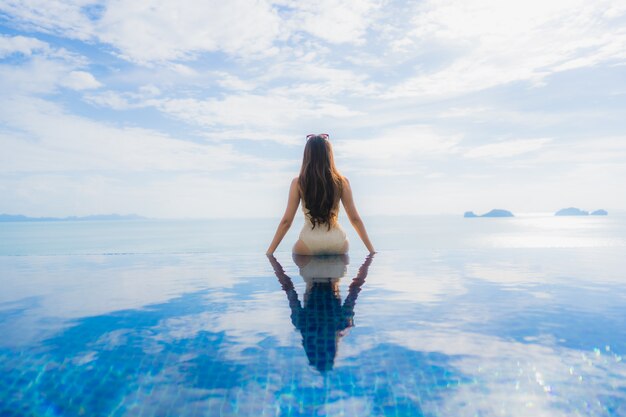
61 17
400 143
145 96
464 112
38 75
266 112
46 138
501 42
232 82
80 80
42 69
316 79
20 44
588 150
147 31
344 21
233 110
281 137
114 100
507 148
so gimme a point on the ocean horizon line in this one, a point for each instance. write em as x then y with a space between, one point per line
22 218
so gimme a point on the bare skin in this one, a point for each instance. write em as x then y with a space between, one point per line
300 248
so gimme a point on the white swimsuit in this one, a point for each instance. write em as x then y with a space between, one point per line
320 240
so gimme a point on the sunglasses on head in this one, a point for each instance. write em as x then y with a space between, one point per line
321 135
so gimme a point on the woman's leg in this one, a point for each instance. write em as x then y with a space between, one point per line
300 248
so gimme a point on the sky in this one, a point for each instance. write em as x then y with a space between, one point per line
199 109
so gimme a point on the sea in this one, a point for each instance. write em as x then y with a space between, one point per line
453 316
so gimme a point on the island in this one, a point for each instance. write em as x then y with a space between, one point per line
492 213
571 211
101 217
600 212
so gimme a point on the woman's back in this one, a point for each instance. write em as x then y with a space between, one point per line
333 212
320 183
317 238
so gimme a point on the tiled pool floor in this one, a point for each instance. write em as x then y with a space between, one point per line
511 332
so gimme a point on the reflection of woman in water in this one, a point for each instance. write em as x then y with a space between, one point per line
320 186
322 320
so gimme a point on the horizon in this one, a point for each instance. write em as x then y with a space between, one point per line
341 215
432 108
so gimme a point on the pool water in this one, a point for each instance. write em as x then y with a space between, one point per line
506 327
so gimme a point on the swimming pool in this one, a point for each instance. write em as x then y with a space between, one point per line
517 331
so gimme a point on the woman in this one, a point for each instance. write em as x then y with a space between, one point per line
320 186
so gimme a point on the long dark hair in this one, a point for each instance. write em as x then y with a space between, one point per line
320 181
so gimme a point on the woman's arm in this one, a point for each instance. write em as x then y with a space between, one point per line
353 215
290 212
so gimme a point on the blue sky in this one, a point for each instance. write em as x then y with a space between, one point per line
200 108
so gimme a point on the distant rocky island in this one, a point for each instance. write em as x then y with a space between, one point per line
21 218
570 211
574 211
492 213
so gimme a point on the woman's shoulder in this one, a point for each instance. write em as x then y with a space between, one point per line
295 183
345 186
